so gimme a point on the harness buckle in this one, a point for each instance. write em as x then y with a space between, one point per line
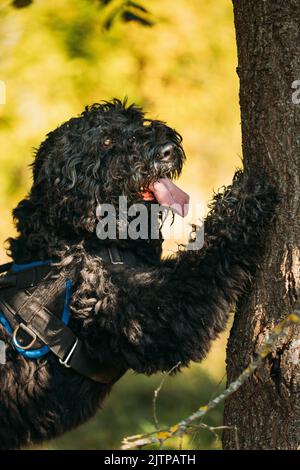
27 330
66 361
114 255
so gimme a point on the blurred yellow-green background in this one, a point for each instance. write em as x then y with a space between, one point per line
55 58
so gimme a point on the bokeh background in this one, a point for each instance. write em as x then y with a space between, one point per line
55 57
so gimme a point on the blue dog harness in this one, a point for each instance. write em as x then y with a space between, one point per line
35 312
31 353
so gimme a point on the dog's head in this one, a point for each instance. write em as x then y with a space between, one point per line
110 150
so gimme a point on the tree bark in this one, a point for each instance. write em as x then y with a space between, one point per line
266 410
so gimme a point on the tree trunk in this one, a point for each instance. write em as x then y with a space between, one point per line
266 410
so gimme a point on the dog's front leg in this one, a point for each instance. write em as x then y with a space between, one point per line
171 314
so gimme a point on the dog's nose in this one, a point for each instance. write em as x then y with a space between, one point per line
166 152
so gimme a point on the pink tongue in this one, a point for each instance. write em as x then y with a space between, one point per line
169 195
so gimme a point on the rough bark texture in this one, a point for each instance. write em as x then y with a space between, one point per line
266 410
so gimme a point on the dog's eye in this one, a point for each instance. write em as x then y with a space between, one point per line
131 139
106 142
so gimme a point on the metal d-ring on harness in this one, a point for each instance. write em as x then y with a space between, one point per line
29 332
28 295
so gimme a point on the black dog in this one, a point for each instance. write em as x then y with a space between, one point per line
130 309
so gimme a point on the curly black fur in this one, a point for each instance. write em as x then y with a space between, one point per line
148 318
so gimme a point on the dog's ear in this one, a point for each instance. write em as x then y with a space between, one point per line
28 217
26 214
47 155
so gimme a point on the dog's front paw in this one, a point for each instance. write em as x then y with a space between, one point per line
260 198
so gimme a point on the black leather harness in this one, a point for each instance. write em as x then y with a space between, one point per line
32 301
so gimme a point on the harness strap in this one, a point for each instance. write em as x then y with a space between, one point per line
5 267
37 319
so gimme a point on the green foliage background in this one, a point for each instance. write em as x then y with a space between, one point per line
55 58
